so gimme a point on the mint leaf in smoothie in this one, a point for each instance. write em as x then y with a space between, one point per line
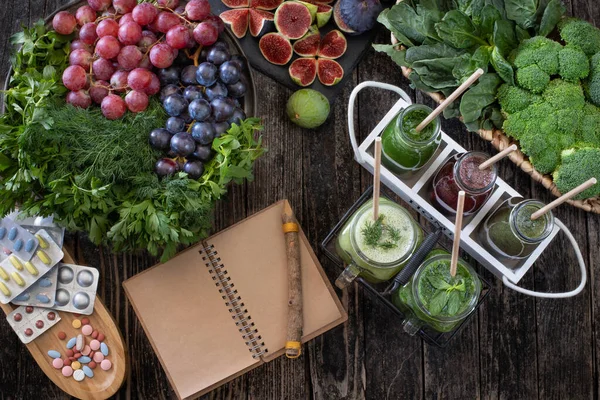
438 302
438 282
453 302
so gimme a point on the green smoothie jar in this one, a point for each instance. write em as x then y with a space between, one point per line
509 231
434 298
403 148
377 249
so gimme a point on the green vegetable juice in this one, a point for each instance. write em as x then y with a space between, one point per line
509 231
403 148
435 298
378 249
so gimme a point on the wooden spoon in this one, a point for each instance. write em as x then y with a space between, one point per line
104 384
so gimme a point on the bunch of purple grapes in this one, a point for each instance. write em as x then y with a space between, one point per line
118 44
202 102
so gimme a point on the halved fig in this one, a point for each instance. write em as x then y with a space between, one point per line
330 72
237 19
337 17
308 46
333 45
237 3
259 21
276 48
293 19
265 4
323 14
303 71
312 8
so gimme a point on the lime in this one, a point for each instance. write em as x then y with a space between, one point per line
308 108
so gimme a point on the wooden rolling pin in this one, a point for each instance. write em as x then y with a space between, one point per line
293 345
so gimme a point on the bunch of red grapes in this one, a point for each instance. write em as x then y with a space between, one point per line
120 41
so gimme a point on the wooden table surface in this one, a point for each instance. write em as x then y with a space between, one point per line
516 347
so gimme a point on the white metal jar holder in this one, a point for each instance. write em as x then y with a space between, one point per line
414 188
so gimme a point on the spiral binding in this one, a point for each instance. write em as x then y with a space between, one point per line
233 301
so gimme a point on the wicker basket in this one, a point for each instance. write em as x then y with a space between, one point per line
500 141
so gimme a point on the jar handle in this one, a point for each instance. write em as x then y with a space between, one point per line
353 95
347 276
572 293
412 325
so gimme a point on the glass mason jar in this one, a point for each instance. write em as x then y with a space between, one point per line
509 231
461 172
380 260
416 299
403 149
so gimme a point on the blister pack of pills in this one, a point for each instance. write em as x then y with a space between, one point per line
17 240
16 274
30 322
76 288
57 234
41 293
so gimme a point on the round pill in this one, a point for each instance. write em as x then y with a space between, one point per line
51 316
79 375
80 342
70 353
77 355
81 300
95 334
67 371
39 324
28 332
84 359
17 317
92 364
105 365
76 365
104 349
76 324
71 343
62 335
66 361
86 350
87 330
85 321
98 357
88 371
94 344
53 354
91 355
72 359
57 363
101 337
28 309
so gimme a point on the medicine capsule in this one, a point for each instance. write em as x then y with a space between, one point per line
16 263
43 257
4 289
3 274
2 233
18 245
30 245
12 234
43 243
31 268
18 278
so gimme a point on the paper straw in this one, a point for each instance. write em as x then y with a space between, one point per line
457 228
377 178
493 160
585 185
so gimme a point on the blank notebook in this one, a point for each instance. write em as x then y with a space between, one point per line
219 309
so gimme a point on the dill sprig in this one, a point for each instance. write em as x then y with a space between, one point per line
374 232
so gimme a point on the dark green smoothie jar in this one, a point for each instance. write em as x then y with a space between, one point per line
403 148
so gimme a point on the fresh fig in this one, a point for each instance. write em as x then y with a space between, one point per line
276 48
308 108
259 21
323 14
312 8
308 46
237 19
293 19
236 3
337 17
265 4
303 71
360 15
330 72
333 45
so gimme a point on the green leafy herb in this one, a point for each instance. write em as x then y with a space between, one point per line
378 234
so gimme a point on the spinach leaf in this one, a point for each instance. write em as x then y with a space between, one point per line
478 97
521 33
437 73
468 65
458 30
523 12
504 37
405 19
399 33
430 52
393 50
502 67
438 302
552 14
489 16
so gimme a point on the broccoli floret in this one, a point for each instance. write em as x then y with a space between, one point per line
590 126
543 153
592 85
513 99
573 64
577 166
594 62
532 78
540 51
581 34
568 122
561 94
